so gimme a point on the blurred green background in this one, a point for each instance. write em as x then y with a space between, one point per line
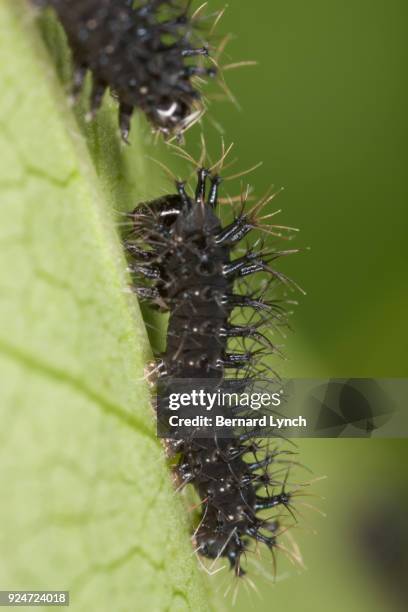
325 109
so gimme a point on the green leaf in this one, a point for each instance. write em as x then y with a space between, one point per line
87 500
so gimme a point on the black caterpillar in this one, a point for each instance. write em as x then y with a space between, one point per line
141 51
178 245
